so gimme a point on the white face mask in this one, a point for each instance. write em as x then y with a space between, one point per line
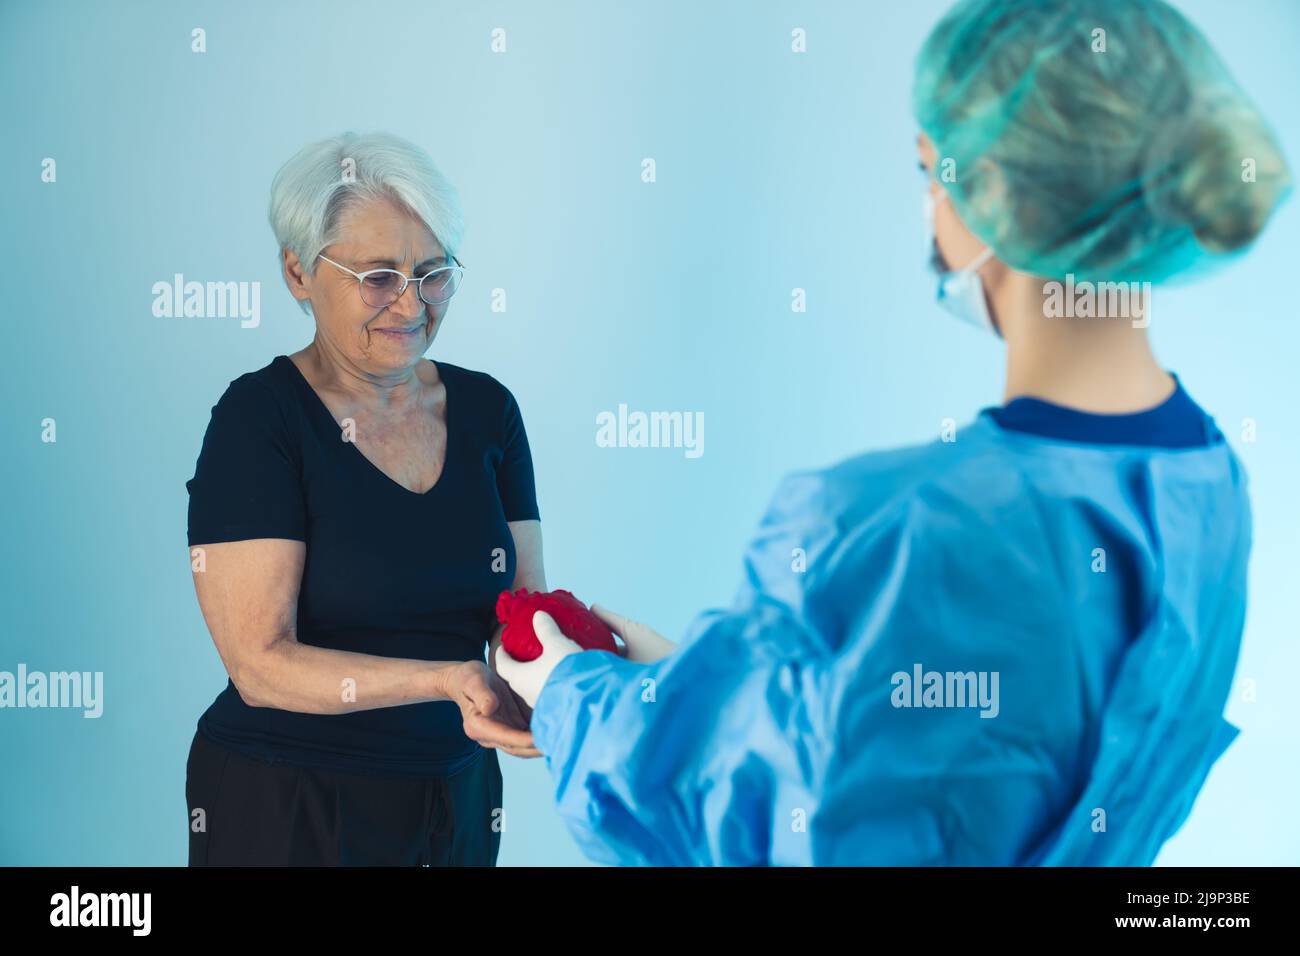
960 291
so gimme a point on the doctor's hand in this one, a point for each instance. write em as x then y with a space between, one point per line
644 644
527 678
491 714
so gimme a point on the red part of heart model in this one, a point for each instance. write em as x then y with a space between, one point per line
574 618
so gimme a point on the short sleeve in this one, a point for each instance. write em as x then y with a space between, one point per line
515 483
248 479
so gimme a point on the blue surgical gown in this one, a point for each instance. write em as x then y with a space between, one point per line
1104 585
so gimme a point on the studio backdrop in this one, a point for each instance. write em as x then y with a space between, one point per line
669 207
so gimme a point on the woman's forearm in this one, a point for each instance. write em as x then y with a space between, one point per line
305 679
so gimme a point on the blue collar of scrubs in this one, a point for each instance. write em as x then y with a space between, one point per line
1177 422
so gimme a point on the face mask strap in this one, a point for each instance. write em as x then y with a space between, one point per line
930 203
978 262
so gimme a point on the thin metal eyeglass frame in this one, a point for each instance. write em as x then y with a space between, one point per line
406 280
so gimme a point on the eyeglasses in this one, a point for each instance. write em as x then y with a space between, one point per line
380 288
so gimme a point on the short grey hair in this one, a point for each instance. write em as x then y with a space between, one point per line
323 180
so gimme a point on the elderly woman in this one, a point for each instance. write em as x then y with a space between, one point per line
355 510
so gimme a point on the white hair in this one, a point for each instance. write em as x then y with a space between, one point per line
312 190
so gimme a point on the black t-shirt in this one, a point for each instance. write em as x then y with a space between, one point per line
388 571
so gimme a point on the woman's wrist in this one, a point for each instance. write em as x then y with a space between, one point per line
439 679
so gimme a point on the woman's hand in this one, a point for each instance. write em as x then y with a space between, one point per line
514 710
489 709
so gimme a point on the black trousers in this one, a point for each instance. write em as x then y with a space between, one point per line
261 814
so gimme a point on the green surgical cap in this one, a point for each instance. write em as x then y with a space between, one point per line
1099 138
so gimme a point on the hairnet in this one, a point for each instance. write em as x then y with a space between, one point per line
1102 138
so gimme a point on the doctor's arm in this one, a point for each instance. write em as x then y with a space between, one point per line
650 761
776 735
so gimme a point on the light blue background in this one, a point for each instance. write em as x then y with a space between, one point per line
775 170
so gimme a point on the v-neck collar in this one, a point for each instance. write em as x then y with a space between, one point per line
314 397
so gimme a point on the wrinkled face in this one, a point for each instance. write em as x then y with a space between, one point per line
377 235
955 245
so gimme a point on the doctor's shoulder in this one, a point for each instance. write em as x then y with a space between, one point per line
862 485
872 498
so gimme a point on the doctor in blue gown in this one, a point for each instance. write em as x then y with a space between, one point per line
1012 645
